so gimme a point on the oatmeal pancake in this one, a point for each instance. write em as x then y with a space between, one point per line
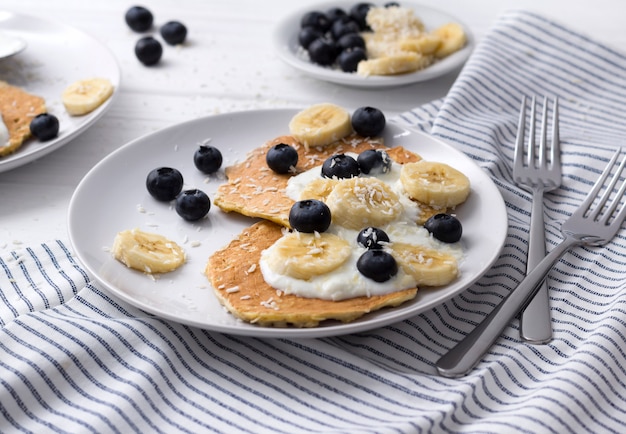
254 190
239 285
18 108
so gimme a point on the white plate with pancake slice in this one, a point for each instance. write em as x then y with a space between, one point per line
287 47
112 197
55 56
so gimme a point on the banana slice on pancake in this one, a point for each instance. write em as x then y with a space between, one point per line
428 267
435 184
305 255
357 202
318 189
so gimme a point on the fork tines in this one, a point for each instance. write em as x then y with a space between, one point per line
537 157
602 212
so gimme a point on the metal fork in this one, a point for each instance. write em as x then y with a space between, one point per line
595 223
539 172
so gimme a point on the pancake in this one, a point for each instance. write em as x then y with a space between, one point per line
254 190
18 108
238 283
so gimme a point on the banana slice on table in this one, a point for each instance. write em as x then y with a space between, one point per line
398 63
356 203
453 38
428 267
147 252
435 184
84 96
303 255
320 125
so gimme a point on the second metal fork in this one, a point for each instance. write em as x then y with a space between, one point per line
595 223
538 170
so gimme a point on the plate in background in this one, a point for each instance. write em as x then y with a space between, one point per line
55 56
285 40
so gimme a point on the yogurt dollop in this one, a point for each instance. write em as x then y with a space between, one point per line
4 133
346 281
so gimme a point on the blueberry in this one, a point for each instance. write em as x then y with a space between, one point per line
351 40
374 162
349 59
164 183
368 121
340 166
148 50
138 18
444 227
306 35
174 32
309 216
377 265
323 51
207 159
44 126
282 158
344 26
334 14
371 238
192 204
315 19
358 12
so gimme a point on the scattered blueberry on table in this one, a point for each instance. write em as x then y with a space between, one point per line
148 50
139 18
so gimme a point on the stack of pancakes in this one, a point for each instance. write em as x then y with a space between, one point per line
255 190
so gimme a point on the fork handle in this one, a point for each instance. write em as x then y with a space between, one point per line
466 354
535 319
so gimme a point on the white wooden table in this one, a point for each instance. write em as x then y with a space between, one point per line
228 65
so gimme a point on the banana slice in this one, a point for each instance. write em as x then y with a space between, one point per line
435 184
398 63
356 203
424 44
302 255
318 189
147 252
84 96
320 125
428 267
453 38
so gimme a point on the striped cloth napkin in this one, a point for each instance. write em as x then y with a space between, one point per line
75 359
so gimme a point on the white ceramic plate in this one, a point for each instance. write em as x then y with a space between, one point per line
10 45
112 197
287 46
55 56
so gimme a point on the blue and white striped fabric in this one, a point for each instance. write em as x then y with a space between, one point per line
74 359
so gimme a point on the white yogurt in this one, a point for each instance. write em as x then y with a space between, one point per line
4 133
346 281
